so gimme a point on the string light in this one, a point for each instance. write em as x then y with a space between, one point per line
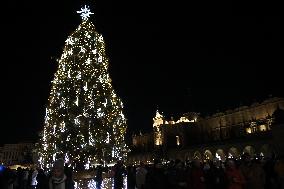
83 112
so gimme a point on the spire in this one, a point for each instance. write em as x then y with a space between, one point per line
158 115
158 119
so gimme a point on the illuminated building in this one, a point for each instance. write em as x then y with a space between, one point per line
223 134
21 153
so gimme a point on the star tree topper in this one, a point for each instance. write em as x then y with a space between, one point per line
85 12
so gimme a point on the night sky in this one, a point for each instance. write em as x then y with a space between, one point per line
180 57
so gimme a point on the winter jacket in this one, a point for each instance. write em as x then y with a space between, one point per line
235 179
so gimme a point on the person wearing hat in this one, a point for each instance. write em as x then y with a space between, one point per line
58 179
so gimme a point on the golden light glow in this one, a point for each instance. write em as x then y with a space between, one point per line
158 121
262 128
248 130
84 117
178 140
185 120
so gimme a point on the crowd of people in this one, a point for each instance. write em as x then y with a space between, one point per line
32 178
246 173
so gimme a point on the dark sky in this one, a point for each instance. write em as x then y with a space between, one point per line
200 56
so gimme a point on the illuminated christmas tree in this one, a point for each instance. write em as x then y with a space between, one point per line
84 120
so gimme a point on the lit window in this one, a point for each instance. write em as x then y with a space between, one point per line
218 156
261 154
254 129
248 130
178 140
262 128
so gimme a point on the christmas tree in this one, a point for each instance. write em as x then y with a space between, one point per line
84 120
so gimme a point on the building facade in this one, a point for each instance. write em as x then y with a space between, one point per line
1 155
21 153
221 135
